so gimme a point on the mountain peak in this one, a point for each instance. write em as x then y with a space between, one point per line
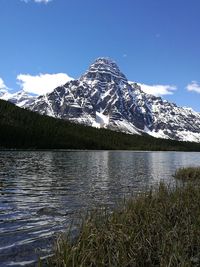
105 61
104 69
103 97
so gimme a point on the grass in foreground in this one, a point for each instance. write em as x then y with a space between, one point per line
188 174
160 228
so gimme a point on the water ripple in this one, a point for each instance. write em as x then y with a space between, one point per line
42 192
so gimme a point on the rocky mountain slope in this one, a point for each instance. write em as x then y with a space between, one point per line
103 97
20 98
23 129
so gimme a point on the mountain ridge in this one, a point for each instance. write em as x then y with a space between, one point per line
104 98
19 98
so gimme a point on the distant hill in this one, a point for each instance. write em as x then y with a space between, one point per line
23 129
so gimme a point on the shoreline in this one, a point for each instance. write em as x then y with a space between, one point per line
159 227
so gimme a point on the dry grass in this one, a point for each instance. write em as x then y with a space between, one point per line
160 228
188 174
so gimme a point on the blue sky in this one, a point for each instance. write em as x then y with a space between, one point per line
154 42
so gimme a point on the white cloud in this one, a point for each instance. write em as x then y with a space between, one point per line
158 89
42 83
193 86
38 1
2 85
42 1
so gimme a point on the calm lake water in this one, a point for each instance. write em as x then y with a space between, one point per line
40 192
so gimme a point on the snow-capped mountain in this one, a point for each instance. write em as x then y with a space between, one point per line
103 97
3 92
20 98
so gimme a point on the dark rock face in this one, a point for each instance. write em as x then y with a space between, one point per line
103 97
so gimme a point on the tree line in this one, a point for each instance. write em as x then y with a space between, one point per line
24 129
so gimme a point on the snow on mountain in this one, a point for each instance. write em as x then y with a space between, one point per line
20 98
4 94
103 97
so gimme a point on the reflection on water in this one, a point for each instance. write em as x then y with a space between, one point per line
41 191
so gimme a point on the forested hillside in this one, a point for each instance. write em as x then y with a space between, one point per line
24 129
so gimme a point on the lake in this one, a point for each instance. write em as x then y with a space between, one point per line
41 192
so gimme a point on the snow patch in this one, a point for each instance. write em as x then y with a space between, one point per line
158 134
101 120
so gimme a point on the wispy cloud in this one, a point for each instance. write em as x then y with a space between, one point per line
42 1
193 86
2 85
37 1
158 89
42 83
